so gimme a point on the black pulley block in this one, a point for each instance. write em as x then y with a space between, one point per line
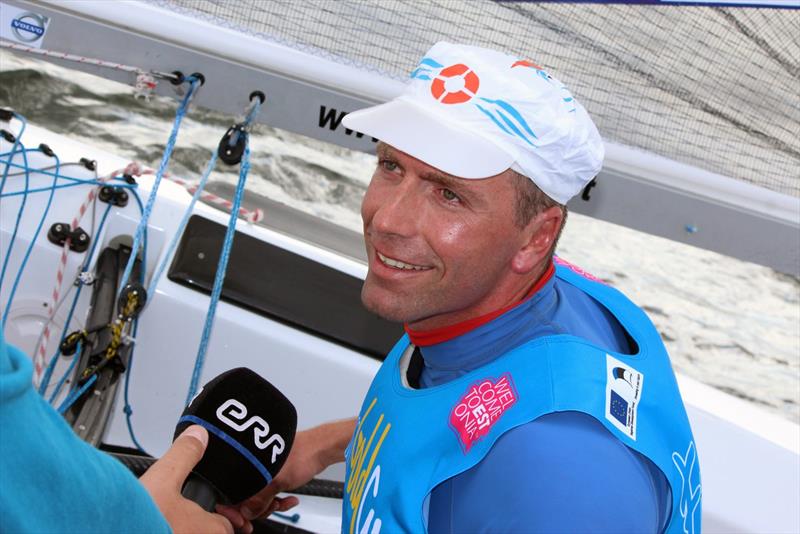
232 144
90 164
47 151
70 344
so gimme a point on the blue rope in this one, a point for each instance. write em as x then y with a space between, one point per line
159 174
255 107
88 261
220 275
14 233
60 384
294 518
13 150
128 409
75 395
177 235
30 245
47 172
62 186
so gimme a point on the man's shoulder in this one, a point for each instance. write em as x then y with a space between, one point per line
579 314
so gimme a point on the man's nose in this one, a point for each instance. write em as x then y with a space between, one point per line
399 212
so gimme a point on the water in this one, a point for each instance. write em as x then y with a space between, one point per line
730 324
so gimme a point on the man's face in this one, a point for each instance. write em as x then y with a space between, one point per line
440 248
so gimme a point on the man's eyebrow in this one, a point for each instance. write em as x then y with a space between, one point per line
443 179
446 180
383 150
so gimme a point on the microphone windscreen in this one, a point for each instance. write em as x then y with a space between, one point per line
251 427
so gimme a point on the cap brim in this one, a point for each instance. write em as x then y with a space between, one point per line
431 139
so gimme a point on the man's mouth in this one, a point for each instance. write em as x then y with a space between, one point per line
397 264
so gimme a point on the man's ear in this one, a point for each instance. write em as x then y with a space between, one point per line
539 235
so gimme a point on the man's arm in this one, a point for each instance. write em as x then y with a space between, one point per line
314 450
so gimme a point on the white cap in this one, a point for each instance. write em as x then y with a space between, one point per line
473 113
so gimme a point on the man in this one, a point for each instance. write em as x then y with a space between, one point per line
525 397
52 481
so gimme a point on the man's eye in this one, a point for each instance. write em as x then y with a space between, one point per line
449 195
389 165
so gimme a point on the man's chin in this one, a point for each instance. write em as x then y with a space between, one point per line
386 308
388 313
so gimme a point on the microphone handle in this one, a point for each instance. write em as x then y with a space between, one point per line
200 491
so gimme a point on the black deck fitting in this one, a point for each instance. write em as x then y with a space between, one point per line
258 94
47 151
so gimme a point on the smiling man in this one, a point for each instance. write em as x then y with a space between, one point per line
526 396
428 233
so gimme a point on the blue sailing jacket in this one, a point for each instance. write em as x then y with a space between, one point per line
408 441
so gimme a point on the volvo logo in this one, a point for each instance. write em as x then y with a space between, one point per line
29 27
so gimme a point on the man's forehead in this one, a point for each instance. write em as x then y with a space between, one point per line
387 150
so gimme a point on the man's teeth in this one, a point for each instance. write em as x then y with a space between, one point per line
397 264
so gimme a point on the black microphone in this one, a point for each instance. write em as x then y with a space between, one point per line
251 427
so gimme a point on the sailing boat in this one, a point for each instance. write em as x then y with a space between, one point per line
721 199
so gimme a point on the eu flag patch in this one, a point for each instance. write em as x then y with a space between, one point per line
619 408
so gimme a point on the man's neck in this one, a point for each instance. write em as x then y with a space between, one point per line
429 336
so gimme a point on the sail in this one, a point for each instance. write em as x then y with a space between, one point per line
714 87
697 103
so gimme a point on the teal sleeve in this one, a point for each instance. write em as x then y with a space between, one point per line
52 481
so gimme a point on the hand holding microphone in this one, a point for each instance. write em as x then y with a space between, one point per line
164 479
251 427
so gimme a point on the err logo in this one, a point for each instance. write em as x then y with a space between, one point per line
234 414
480 408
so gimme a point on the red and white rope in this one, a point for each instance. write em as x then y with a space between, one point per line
251 216
40 355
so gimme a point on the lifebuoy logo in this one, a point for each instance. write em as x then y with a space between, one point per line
455 84
459 84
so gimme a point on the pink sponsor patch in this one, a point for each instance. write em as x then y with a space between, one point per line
574 268
480 408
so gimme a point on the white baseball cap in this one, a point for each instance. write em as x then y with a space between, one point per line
473 113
